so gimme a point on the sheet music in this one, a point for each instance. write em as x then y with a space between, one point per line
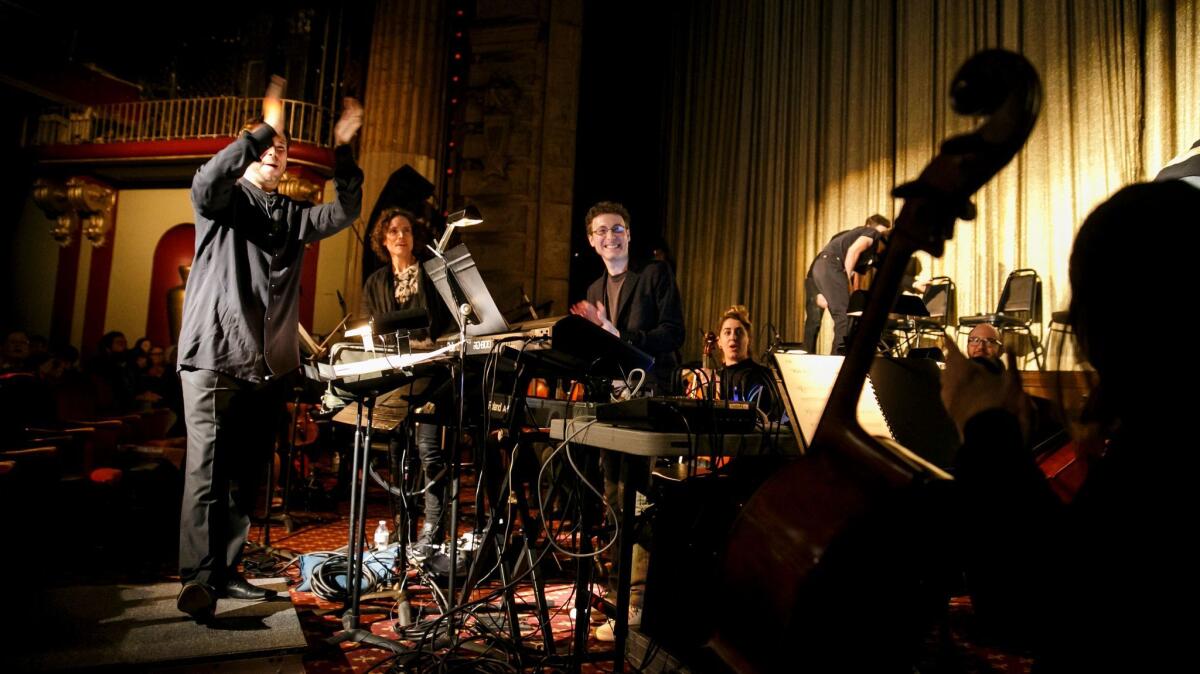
809 380
390 362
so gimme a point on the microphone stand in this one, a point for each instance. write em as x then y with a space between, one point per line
466 316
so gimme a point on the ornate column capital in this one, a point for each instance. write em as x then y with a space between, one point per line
299 189
78 204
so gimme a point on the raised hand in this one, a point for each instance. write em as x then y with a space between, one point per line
349 123
273 105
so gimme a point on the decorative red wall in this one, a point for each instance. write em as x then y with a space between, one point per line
175 248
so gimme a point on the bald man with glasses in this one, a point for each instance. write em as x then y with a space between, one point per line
1041 416
984 342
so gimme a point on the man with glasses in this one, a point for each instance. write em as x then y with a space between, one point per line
984 342
1040 418
238 339
640 305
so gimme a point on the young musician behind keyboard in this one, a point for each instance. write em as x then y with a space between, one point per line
642 307
741 378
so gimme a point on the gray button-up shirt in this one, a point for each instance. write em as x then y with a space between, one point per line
240 311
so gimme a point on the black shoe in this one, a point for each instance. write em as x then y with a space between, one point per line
423 547
239 588
197 600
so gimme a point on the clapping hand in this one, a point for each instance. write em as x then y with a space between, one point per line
596 314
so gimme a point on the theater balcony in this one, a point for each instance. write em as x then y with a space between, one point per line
160 143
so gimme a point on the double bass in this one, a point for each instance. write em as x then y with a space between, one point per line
836 561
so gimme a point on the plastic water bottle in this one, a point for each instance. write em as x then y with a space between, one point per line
381 535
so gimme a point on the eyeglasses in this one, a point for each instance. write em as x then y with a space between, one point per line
976 341
603 231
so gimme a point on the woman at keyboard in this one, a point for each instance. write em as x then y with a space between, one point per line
399 238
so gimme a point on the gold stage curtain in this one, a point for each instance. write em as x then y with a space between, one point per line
792 120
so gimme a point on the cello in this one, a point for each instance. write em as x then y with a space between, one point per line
836 560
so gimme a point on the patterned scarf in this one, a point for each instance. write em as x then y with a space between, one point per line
406 283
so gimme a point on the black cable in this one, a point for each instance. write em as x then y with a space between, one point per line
498 592
651 647
485 599
434 626
548 624
399 491
402 662
495 506
693 453
322 577
716 444
583 479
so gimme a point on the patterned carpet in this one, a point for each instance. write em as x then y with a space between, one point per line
321 619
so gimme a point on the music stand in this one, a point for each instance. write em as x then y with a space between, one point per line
457 280
899 400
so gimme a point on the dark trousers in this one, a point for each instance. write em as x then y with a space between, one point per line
433 470
433 477
231 427
813 313
827 277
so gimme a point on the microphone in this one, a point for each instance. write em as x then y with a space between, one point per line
404 319
342 302
776 338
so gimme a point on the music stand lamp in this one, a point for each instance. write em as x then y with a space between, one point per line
467 217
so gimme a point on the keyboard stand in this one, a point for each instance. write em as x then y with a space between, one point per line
351 630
